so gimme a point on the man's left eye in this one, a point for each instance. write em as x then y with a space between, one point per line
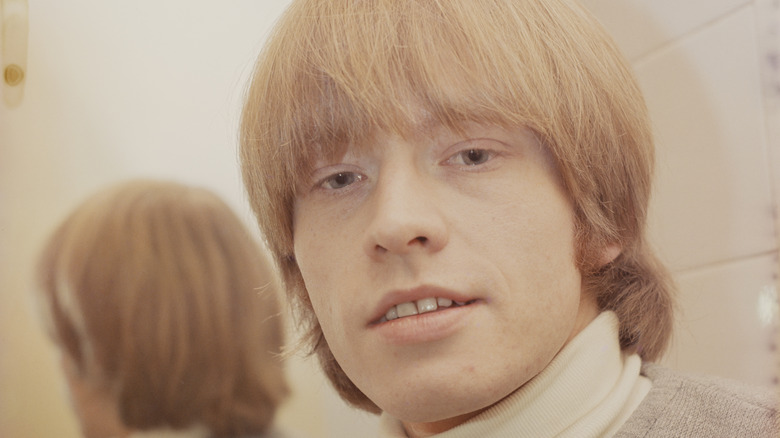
471 157
340 180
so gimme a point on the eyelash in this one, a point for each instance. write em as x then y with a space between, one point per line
457 159
459 156
353 176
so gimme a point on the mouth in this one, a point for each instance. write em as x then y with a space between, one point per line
421 306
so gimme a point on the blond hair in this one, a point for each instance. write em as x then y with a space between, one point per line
335 72
161 297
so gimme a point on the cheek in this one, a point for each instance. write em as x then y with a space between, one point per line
538 258
539 233
324 273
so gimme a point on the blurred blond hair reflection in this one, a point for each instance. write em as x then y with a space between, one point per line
166 314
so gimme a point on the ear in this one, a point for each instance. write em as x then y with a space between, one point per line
609 253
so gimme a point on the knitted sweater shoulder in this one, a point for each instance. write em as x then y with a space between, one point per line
681 405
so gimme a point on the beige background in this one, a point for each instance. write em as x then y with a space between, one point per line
153 88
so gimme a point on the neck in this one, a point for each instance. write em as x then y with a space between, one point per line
424 430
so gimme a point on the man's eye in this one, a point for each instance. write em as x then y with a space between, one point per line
472 157
340 180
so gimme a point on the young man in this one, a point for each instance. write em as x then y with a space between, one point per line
456 195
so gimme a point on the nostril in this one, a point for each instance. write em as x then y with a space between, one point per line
421 239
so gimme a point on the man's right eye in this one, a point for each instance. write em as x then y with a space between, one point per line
340 180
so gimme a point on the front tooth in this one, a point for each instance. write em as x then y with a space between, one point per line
391 314
406 309
426 305
444 302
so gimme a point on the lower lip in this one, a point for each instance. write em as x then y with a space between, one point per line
425 327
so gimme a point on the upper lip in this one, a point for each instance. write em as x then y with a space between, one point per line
398 296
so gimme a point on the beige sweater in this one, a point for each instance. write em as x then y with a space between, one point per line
682 405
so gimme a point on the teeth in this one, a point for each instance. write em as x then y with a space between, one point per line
407 309
391 314
424 305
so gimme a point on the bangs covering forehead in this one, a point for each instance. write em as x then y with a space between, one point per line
342 71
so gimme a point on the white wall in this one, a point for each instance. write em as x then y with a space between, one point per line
153 88
713 89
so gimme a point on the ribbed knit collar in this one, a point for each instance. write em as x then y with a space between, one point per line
588 390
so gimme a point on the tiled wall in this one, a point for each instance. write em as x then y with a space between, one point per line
713 218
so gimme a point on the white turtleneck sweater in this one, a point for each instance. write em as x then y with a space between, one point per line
589 389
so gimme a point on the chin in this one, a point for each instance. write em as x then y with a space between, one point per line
433 406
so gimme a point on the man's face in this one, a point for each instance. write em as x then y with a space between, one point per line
441 267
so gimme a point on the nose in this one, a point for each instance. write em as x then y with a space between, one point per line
405 216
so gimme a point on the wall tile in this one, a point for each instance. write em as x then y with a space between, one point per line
639 26
713 198
728 321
